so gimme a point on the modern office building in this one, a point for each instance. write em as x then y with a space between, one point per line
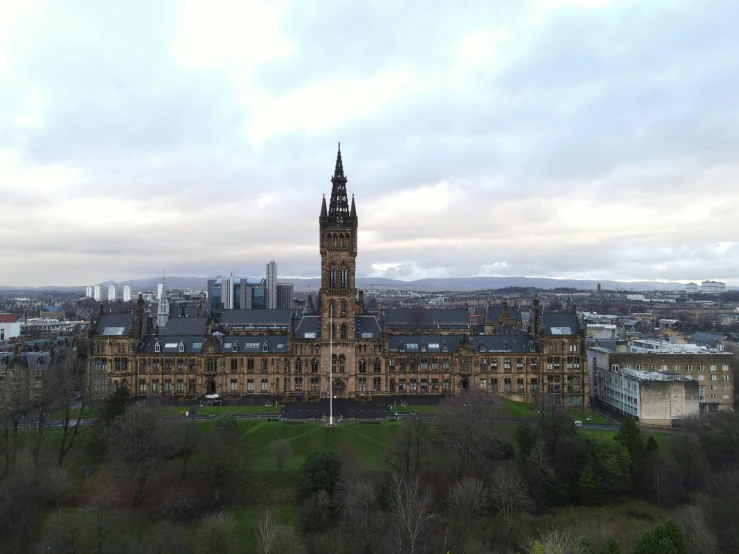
284 296
271 286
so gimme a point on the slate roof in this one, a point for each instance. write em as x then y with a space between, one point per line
607 344
371 304
494 313
29 360
560 324
254 345
435 343
190 311
116 324
706 339
446 318
183 326
170 344
367 327
310 325
52 309
257 318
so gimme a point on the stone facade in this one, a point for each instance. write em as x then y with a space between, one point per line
393 352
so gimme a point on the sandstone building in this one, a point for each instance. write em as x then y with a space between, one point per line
368 351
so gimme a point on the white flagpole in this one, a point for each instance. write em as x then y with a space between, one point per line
331 366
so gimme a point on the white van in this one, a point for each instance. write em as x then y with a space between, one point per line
578 424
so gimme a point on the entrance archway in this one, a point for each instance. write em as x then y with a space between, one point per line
465 385
339 389
210 387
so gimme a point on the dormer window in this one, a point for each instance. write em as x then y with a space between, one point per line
401 347
181 347
483 348
423 346
265 347
235 347
505 345
444 347
157 347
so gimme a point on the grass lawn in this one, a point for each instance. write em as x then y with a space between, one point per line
519 410
418 408
216 410
367 442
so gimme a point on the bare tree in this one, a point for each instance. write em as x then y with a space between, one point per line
467 500
276 538
58 484
73 405
465 426
224 454
135 442
510 494
411 506
409 449
216 534
60 534
100 512
282 451
701 539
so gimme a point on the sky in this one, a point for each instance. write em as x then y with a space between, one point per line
588 139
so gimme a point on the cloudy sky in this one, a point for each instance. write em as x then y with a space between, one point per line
562 138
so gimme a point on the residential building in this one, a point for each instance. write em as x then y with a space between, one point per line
127 293
98 293
337 345
112 292
713 287
604 331
89 292
9 327
691 288
271 286
284 296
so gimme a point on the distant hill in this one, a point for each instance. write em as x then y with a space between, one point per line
367 283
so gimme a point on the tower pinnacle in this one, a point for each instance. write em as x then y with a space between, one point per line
338 211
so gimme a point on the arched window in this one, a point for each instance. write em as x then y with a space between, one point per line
332 278
298 366
210 365
333 331
332 308
168 364
341 240
314 365
342 363
483 365
344 278
329 243
182 346
377 365
333 363
343 331
343 307
362 366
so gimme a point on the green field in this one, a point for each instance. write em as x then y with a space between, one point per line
519 410
583 416
217 410
366 441
418 408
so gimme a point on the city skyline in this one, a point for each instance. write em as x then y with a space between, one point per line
528 140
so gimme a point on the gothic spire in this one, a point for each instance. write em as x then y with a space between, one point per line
338 211
354 209
324 213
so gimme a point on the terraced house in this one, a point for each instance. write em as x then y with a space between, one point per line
339 344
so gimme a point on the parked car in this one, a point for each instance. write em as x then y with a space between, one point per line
578 423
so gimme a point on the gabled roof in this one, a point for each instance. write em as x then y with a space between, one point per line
184 326
486 343
367 327
114 324
52 309
254 345
309 327
702 338
560 324
439 318
35 360
495 312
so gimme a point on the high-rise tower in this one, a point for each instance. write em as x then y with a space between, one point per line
271 286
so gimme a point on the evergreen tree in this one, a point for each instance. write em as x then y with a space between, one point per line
611 547
665 538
